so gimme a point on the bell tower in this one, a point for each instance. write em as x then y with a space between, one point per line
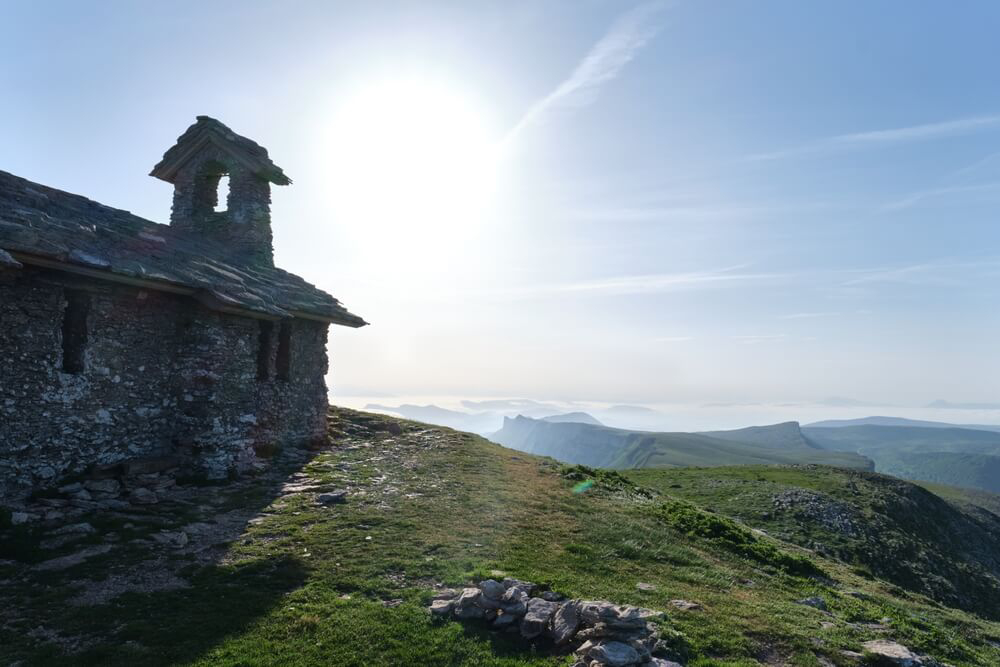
207 153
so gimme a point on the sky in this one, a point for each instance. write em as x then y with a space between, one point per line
659 202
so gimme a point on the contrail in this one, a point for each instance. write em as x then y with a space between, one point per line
629 33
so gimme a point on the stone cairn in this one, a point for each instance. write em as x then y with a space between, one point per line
600 633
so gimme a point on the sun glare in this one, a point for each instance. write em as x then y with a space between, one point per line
412 159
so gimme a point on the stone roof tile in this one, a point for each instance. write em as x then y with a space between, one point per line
41 224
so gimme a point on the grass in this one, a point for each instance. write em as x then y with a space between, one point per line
348 584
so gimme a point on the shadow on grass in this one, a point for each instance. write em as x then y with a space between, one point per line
180 626
162 627
510 643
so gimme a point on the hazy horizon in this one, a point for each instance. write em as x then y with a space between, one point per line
654 203
676 416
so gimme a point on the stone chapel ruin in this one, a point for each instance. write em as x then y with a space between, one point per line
126 340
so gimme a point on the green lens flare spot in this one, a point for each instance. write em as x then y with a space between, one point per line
583 486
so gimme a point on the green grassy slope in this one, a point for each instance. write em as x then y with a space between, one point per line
303 584
894 529
619 448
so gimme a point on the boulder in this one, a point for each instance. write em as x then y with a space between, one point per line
615 616
896 654
614 654
332 498
465 604
564 623
492 589
526 586
445 594
536 618
504 620
514 601
442 607
686 605
815 602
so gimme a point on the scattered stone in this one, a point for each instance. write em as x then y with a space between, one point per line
552 596
176 540
815 602
686 605
65 562
70 488
643 586
897 654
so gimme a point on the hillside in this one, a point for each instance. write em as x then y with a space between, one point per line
268 570
787 435
607 447
894 529
956 456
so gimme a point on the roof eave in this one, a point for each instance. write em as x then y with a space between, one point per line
207 298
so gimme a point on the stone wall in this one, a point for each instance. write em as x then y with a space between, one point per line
162 376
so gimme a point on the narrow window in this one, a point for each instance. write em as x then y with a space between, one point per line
222 194
264 351
74 331
284 361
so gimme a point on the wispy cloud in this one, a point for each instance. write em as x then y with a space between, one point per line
940 273
806 316
655 283
917 197
673 339
759 338
627 35
898 135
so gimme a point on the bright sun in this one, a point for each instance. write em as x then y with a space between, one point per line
412 159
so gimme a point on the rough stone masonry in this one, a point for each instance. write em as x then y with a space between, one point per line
122 339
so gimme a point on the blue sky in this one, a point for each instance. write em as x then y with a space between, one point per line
642 202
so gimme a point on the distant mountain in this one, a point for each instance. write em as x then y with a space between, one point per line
787 435
605 447
963 457
574 417
898 421
481 422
